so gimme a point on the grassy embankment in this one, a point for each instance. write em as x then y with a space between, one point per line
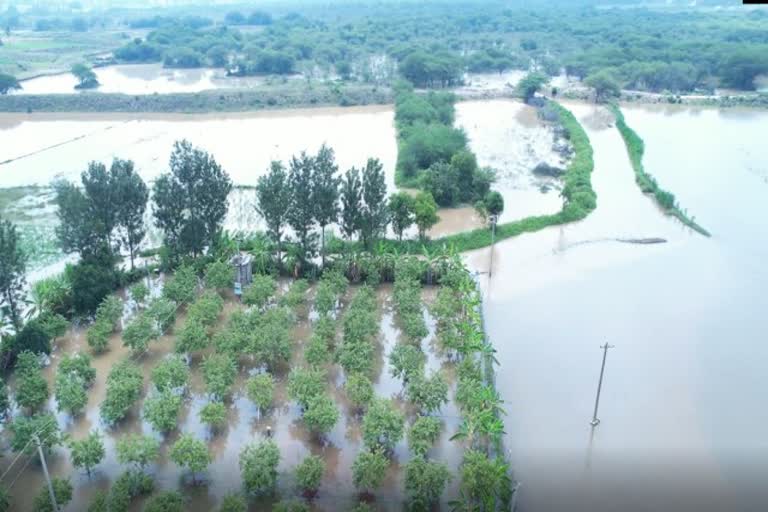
579 200
268 97
646 182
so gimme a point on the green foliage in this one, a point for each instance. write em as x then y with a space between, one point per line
32 338
70 393
87 452
139 333
181 287
605 85
271 340
401 212
167 501
359 390
425 482
8 83
192 337
138 450
273 193
325 192
31 387
260 390
369 469
646 182
172 373
128 486
300 210
190 453
163 312
97 336
483 479
191 203
5 496
306 384
214 414
5 401
124 386
79 365
110 311
351 203
219 275
423 434
260 291
206 309
219 373
291 505
359 326
428 393
382 425
530 85
309 474
23 428
321 414
62 491
374 215
296 295
258 465
233 503
317 351
161 410
406 361
53 324
85 76
425 213
13 264
139 292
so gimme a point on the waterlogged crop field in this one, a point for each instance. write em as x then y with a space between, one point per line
346 389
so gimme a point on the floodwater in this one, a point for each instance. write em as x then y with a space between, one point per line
682 408
246 424
36 148
143 79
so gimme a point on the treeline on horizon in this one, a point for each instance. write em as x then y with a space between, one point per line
433 44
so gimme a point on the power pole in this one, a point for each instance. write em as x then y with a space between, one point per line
595 422
493 219
47 476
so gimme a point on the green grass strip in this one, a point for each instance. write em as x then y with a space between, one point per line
579 200
646 182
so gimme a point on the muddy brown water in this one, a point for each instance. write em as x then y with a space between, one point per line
505 134
245 424
682 405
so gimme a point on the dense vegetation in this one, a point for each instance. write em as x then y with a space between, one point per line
647 183
674 47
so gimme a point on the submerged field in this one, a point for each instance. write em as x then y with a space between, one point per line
245 422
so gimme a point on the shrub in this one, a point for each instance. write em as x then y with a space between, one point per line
206 309
321 414
260 390
138 450
167 501
139 292
214 414
260 291
219 373
309 474
124 386
31 387
423 434
382 425
369 469
304 385
161 410
87 452
190 453
219 275
172 373
192 337
181 287
425 481
359 390
62 491
258 464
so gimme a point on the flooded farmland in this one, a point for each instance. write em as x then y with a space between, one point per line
38 148
246 424
681 421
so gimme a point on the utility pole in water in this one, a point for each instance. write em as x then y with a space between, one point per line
47 476
595 422
494 219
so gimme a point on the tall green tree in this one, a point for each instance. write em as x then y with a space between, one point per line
273 194
190 453
605 85
87 452
132 194
13 266
191 200
325 192
530 85
301 211
351 203
375 214
78 229
8 83
401 212
425 213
